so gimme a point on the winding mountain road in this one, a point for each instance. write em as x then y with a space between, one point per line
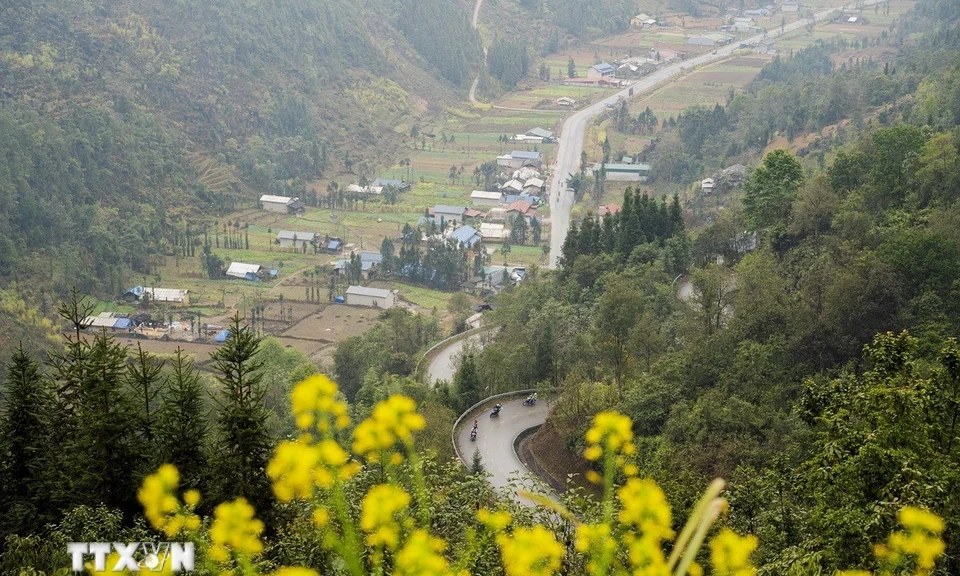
496 436
475 22
574 128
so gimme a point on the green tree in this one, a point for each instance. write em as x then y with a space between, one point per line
571 68
181 422
771 189
143 375
466 383
243 444
617 311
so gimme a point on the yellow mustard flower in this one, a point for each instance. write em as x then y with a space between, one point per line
314 403
378 511
530 552
293 571
611 433
291 470
393 421
595 542
646 555
920 541
920 519
235 528
497 521
321 517
422 555
730 554
161 507
643 505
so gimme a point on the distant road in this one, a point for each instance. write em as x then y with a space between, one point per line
574 128
475 22
443 366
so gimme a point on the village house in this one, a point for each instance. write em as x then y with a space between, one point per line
512 187
299 240
368 260
602 70
624 172
564 101
472 213
244 271
521 208
108 321
398 185
711 39
639 20
536 135
164 295
790 6
496 215
447 213
707 185
333 245
370 297
491 232
465 235
280 204
370 190
520 158
483 198
734 174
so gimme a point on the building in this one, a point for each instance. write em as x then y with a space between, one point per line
496 215
707 185
166 295
766 46
758 13
602 70
472 213
370 190
465 235
333 245
244 271
521 208
370 297
300 240
280 204
533 186
108 321
482 198
640 19
790 6
624 172
564 101
520 158
734 174
448 213
608 82
512 187
493 232
398 185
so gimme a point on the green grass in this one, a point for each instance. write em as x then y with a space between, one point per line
424 298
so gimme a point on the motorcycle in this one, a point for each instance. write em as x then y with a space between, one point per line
496 410
473 435
531 400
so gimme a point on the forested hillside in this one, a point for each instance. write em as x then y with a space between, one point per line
815 369
120 120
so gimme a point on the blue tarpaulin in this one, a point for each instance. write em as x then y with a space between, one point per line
221 336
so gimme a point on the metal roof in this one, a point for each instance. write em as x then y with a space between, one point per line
526 155
458 210
374 257
539 133
465 235
166 294
364 291
240 270
277 199
288 235
602 67
482 195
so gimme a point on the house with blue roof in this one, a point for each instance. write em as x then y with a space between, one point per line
602 70
465 235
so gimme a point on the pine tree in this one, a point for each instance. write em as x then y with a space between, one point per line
181 423
24 434
143 374
476 464
466 382
244 444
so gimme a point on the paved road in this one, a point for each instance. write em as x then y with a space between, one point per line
496 436
574 128
474 23
443 366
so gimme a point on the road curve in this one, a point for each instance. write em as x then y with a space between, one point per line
496 436
573 129
475 22
443 365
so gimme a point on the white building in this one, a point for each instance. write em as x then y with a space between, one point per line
371 297
169 295
244 271
707 185
483 198
448 213
493 232
301 240
280 204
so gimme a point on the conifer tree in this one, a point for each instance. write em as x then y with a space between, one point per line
24 432
143 374
181 426
466 382
243 446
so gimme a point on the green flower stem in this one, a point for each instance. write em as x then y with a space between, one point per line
695 520
353 548
420 484
713 511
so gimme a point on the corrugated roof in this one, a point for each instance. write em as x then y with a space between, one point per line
458 210
602 67
374 257
537 182
482 195
166 294
540 133
364 291
277 199
465 235
526 155
240 270
288 235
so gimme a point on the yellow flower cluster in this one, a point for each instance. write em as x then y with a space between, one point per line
377 517
314 402
595 542
160 504
288 571
297 468
393 421
498 521
730 554
612 433
643 505
422 555
234 527
919 540
530 552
